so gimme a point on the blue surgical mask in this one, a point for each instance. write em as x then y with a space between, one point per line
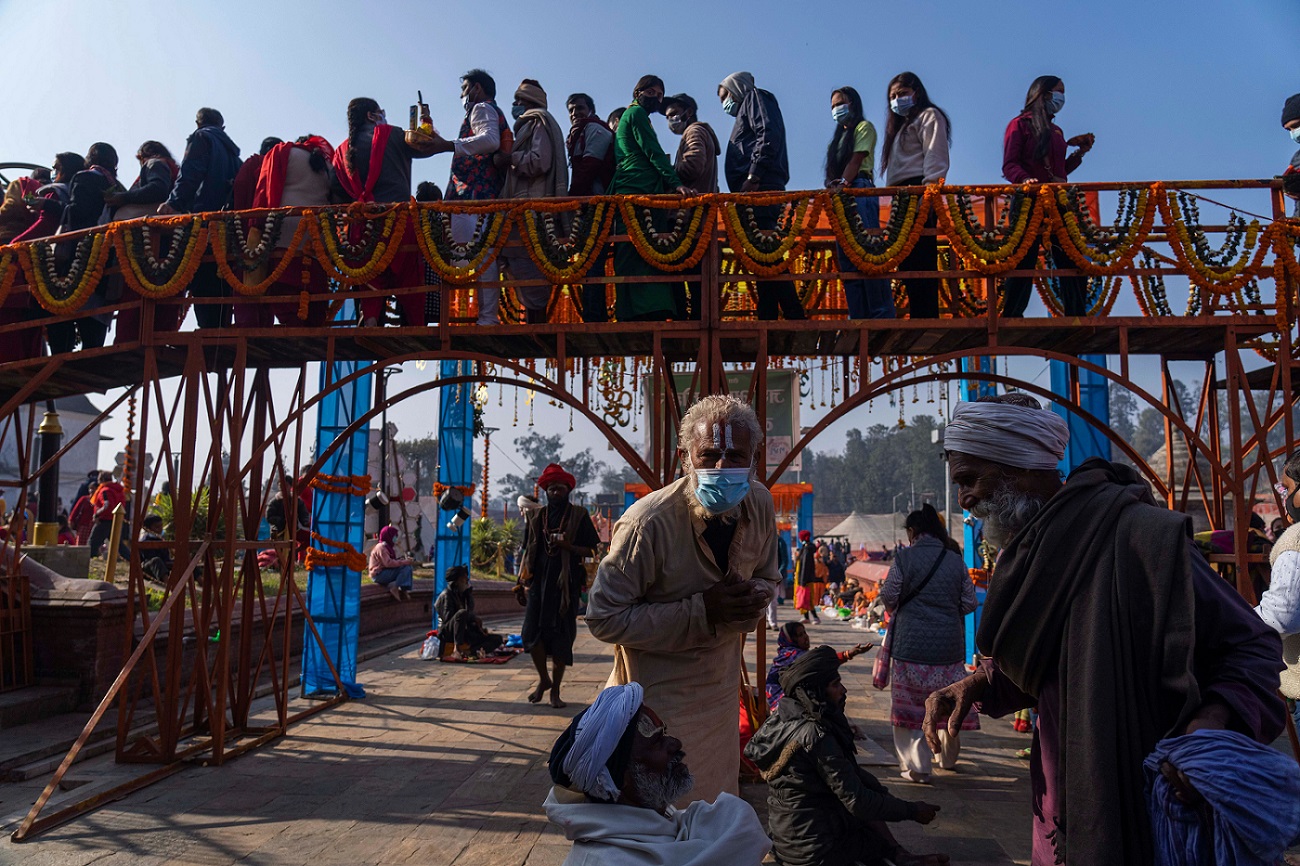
517 111
1057 101
901 105
1295 135
840 113
730 106
720 490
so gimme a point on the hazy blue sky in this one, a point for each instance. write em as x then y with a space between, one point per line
1172 90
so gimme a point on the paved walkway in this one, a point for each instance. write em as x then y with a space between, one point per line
446 764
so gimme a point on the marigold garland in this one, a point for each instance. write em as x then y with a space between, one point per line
217 236
905 227
348 557
434 240
1219 280
1029 210
329 249
189 240
793 240
440 488
66 294
591 226
8 273
683 255
1091 258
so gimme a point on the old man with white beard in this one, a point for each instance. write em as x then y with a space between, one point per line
1102 615
690 570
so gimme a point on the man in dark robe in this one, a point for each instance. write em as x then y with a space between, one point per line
559 537
1101 614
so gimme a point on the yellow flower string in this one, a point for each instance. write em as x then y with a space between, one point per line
331 258
190 257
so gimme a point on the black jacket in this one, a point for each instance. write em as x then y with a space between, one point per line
819 800
757 144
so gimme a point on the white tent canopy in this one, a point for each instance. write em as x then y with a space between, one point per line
872 531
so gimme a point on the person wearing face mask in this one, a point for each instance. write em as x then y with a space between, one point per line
689 573
591 164
374 165
1291 123
1033 151
756 161
537 170
697 166
1279 605
642 168
917 137
850 164
479 164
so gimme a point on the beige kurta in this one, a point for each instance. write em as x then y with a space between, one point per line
648 600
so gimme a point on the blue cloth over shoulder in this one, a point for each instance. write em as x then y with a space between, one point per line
1252 801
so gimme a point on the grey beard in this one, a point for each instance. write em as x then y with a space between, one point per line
658 791
1006 512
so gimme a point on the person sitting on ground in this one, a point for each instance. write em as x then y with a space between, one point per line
154 561
792 642
388 569
617 773
824 809
458 626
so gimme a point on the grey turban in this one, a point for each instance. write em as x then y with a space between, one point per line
1008 434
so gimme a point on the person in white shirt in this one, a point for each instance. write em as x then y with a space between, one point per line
1279 606
917 137
617 772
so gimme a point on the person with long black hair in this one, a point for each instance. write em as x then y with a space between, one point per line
850 164
1033 151
917 137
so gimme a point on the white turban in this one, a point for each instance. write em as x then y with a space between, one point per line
1008 434
600 728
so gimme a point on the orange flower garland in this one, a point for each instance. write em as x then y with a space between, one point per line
910 228
580 261
81 281
330 256
1094 262
1019 238
1222 281
767 263
220 252
191 255
499 213
348 557
356 485
8 273
689 250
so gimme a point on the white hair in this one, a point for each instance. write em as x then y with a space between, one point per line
718 409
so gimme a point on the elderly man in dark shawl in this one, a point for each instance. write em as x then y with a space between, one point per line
823 809
559 537
1101 614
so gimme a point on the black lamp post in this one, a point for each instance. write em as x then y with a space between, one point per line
46 532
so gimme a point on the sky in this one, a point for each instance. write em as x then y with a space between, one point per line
1172 90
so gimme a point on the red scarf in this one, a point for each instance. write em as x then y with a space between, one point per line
347 178
275 168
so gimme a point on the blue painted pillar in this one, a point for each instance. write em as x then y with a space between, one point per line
804 516
970 390
334 592
1094 397
455 468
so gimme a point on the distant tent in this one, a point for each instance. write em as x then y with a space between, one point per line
872 531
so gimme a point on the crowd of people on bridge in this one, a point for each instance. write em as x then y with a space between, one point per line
528 155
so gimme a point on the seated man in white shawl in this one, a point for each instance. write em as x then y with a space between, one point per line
617 773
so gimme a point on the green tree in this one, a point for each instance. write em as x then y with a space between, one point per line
540 451
421 455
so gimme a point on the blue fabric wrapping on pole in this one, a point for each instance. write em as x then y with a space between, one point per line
334 592
1252 793
1086 441
455 467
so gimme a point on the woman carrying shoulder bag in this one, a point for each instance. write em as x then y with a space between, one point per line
927 592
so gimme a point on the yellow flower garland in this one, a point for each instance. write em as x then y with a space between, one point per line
8 273
191 258
331 259
1009 254
767 264
702 214
1220 281
581 262
497 227
1094 262
880 264
33 266
220 252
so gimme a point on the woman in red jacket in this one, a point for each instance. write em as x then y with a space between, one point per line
1033 151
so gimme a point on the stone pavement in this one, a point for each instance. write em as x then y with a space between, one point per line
446 764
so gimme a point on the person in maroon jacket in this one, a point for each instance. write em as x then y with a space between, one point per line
1034 151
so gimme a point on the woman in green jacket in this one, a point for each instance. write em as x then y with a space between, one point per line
641 168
